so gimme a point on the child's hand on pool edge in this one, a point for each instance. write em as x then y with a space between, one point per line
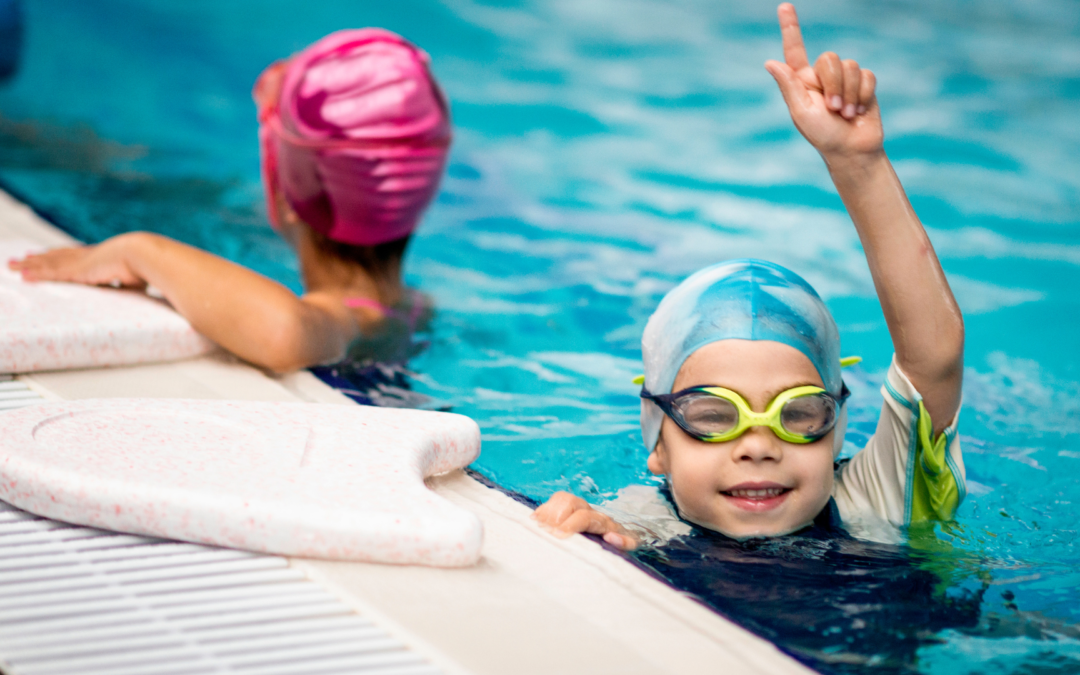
832 103
102 265
564 514
254 317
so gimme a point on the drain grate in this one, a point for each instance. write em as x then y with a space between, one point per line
79 600
15 394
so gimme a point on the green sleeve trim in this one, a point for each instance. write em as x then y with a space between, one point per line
936 489
962 484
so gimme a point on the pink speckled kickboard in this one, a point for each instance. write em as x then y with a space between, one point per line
55 326
301 479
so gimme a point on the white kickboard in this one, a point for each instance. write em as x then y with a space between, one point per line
300 479
58 326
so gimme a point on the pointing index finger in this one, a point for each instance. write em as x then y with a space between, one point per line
794 49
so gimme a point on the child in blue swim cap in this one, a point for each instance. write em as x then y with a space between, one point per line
743 403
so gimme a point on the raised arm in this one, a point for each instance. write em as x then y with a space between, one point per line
834 106
248 314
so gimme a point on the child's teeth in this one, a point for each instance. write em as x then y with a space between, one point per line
757 494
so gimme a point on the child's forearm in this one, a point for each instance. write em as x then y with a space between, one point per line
835 107
248 314
924 320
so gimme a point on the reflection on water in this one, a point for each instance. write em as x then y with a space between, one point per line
93 187
849 606
604 150
375 371
41 146
11 37
846 605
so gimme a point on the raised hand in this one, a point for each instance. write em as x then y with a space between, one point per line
834 106
564 515
832 103
101 265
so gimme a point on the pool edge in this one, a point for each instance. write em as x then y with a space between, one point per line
534 604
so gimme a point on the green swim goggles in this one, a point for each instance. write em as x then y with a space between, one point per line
715 414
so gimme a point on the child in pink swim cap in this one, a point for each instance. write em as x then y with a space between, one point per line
354 134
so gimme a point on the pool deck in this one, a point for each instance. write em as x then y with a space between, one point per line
533 604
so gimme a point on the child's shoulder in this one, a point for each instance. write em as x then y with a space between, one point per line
904 474
647 512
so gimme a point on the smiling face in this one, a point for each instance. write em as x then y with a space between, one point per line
756 484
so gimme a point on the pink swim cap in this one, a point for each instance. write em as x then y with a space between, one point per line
358 137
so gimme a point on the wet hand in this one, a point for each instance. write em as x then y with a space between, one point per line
833 103
101 265
564 515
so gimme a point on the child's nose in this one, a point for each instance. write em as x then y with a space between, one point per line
758 444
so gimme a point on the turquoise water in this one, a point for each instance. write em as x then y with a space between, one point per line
606 149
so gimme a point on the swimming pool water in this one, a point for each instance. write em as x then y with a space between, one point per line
605 149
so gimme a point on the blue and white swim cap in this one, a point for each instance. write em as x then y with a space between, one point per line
744 300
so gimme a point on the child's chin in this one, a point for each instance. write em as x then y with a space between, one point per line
743 532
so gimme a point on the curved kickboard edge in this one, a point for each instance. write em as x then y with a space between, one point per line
297 479
59 326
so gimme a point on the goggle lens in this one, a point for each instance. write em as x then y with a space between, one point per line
708 415
809 416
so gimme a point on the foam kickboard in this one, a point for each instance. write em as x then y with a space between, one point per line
302 479
59 326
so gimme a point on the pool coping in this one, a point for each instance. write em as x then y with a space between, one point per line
533 604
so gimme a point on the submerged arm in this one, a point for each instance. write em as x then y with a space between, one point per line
248 314
834 106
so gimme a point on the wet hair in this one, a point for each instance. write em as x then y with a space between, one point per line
378 260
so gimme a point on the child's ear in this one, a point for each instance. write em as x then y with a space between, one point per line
657 461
